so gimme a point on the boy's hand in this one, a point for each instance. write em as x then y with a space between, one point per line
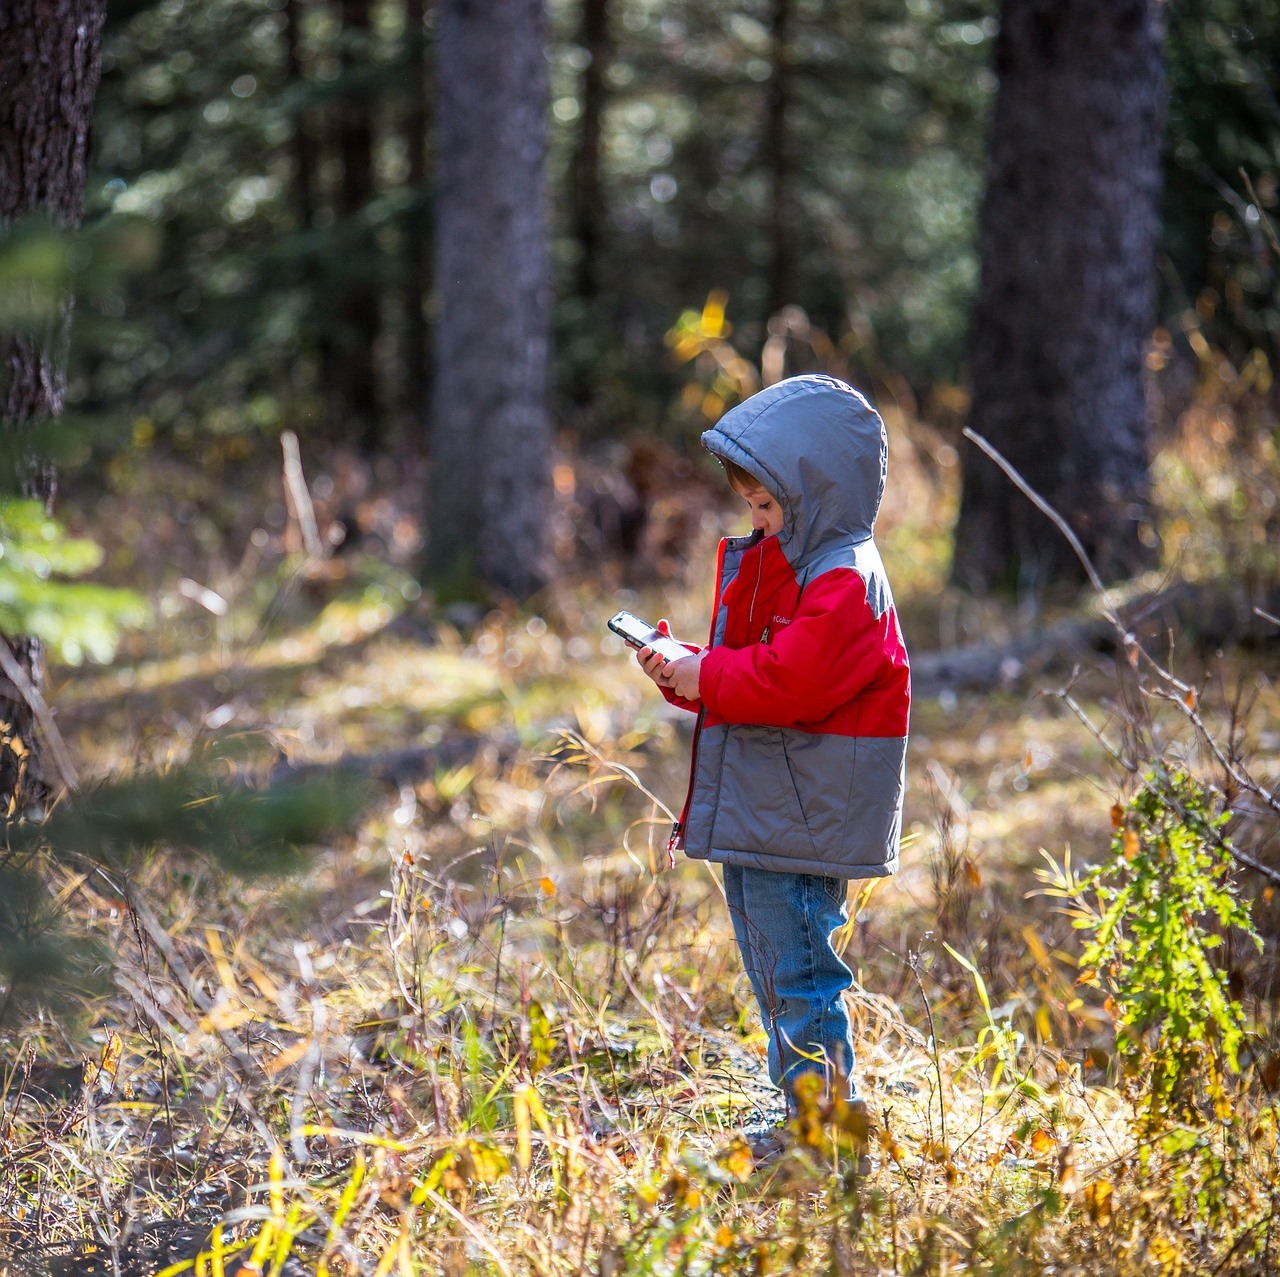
666 673
682 676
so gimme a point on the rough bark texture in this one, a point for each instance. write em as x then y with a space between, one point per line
1068 250
49 65
492 429
417 266
588 200
777 158
356 372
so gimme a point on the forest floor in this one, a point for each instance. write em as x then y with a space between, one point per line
486 1030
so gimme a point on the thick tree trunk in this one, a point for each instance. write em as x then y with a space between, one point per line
1065 304
301 143
417 270
316 330
588 201
492 429
777 158
358 306
49 65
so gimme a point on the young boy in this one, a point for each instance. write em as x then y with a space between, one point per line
802 695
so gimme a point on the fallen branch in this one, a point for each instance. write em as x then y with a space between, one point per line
1174 689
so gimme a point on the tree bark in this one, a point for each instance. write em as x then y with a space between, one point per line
777 158
492 428
417 268
588 201
49 68
358 305
1066 298
301 143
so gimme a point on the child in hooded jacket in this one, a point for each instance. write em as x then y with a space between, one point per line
802 695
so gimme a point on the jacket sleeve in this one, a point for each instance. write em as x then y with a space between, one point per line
833 648
672 699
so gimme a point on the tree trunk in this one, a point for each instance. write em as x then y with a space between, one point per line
49 65
358 305
1067 292
315 330
301 143
777 159
417 272
588 202
492 429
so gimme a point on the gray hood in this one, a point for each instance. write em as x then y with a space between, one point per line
820 450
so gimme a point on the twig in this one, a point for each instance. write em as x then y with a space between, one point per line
1050 513
1185 699
295 486
40 710
913 961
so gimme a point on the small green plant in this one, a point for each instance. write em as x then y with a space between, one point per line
1166 897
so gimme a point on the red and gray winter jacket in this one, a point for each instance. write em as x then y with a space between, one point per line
805 688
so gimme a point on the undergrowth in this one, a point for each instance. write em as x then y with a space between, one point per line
490 1033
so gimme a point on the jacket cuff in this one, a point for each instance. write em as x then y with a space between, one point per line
709 675
679 701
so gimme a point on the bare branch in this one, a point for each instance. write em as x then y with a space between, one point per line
40 711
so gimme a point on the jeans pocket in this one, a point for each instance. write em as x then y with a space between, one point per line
837 890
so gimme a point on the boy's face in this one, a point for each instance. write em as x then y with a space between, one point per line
766 514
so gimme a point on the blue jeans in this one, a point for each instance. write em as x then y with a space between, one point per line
783 923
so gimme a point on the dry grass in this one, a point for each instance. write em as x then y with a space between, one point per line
487 1037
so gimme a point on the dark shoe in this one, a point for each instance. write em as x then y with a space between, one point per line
770 1143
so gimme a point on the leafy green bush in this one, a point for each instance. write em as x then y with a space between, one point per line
74 619
1166 896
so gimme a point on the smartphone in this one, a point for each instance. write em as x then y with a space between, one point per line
637 633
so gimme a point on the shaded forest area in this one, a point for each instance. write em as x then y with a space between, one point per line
355 356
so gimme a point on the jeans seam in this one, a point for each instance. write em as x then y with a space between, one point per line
810 969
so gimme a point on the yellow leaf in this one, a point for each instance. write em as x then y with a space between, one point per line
1044 1024
224 1017
1068 1177
524 1127
548 886
290 1055
737 1160
111 1054
541 1041
724 1237
1189 700
1042 1143
490 1164
220 963
1097 1199
890 1145
1130 844
1117 815
972 876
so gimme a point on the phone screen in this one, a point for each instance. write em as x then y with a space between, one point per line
637 633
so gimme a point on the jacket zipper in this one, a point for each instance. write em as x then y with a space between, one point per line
751 611
677 829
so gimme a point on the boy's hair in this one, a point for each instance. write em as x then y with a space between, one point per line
739 478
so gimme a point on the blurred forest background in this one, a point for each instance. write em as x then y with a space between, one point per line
355 358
